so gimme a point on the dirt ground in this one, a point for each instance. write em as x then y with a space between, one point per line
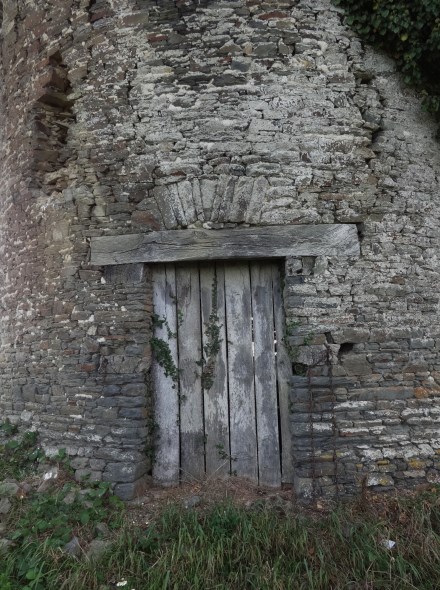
203 494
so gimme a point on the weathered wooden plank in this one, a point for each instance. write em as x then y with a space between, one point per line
243 434
192 448
215 380
251 242
284 375
166 469
269 467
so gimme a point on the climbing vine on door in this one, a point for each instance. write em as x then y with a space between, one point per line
220 373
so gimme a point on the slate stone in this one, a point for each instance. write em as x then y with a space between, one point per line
192 502
5 506
97 548
73 547
8 489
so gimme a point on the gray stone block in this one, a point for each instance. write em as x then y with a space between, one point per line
125 473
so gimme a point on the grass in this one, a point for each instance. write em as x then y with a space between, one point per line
217 546
228 547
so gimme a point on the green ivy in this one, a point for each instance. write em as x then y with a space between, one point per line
161 348
213 341
409 32
48 517
42 524
18 455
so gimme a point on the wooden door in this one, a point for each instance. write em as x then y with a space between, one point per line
220 373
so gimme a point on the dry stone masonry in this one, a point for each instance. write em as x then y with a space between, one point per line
133 116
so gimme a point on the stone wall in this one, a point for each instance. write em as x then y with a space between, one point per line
131 116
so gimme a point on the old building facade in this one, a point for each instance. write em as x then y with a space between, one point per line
151 118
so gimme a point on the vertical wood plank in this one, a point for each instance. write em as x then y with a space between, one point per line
240 371
166 468
284 375
192 445
269 465
212 288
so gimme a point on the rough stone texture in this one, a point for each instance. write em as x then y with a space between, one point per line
97 548
9 489
136 116
5 506
73 547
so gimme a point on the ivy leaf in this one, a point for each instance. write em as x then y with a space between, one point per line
409 32
31 574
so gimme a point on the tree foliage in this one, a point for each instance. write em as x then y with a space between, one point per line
409 31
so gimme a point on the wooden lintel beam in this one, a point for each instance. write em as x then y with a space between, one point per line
272 241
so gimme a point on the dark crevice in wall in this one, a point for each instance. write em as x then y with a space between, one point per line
329 338
365 77
52 116
360 230
91 8
57 86
98 10
345 348
299 369
376 135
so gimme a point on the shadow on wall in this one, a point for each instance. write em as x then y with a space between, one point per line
52 116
